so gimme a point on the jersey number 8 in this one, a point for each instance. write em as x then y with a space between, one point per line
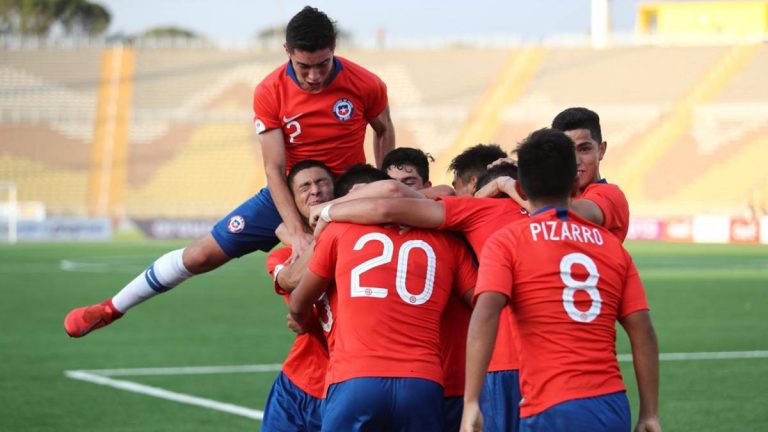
589 286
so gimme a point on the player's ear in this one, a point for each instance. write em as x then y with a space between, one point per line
287 51
428 184
601 148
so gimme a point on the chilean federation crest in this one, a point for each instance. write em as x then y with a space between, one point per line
236 224
343 109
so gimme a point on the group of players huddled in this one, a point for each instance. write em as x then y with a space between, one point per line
490 305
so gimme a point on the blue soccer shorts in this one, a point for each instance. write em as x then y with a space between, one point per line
500 401
249 227
384 404
453 408
607 413
290 409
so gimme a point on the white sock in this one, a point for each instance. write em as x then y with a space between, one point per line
164 274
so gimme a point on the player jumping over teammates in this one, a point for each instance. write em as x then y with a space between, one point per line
316 106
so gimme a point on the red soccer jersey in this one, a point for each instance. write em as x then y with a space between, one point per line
391 291
568 282
478 219
328 126
307 362
613 204
453 344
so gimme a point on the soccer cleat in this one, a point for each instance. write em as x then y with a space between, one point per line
83 320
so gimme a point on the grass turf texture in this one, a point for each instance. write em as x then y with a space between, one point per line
704 298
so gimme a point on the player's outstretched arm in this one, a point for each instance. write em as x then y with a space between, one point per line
310 288
416 212
645 357
384 135
507 185
273 153
289 277
588 210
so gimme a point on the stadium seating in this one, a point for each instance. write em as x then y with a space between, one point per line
681 121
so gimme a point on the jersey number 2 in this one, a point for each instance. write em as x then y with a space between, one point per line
589 286
295 133
402 269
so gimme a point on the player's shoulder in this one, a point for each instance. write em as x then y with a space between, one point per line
358 74
512 231
604 188
277 256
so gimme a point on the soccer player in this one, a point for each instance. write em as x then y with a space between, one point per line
294 402
477 219
471 164
409 166
596 200
316 106
567 282
599 201
385 369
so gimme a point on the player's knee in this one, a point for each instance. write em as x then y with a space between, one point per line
203 256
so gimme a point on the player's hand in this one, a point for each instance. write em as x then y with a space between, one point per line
320 226
293 325
500 161
471 418
314 212
496 187
648 425
300 241
281 232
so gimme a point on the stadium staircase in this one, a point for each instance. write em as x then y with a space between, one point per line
672 126
483 122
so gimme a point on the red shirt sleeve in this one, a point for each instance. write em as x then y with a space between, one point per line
614 206
496 266
460 212
376 98
275 262
465 277
266 110
323 261
633 298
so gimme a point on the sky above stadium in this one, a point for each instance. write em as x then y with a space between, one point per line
237 21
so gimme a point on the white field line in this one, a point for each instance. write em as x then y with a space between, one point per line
100 377
166 394
722 355
198 370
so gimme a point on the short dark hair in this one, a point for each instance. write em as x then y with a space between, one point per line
356 174
414 157
474 160
301 166
503 169
310 30
546 163
579 118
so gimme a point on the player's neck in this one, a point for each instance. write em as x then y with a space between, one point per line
538 204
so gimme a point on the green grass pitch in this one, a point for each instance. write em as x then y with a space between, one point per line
704 299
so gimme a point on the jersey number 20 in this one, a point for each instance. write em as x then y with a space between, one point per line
402 269
589 286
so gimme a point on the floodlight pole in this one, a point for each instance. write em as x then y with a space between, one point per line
601 19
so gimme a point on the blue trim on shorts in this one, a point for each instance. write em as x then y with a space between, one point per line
500 401
607 413
290 409
249 227
384 404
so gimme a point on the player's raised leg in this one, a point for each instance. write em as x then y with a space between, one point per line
249 227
